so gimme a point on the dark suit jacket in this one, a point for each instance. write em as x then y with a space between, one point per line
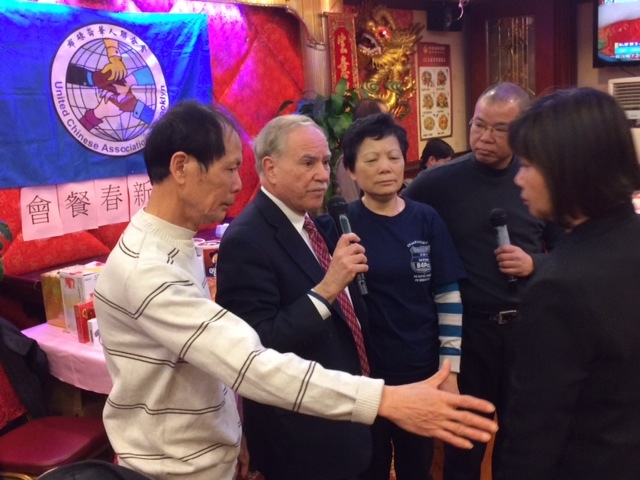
265 270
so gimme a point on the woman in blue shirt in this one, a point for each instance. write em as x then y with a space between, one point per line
413 303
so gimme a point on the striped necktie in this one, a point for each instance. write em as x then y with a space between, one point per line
322 254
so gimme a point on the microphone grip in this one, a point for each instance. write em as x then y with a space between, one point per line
345 225
502 238
361 283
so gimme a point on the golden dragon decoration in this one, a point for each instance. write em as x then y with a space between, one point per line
385 53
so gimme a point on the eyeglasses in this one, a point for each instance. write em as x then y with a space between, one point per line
479 127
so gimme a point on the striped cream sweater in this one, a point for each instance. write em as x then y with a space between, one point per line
176 357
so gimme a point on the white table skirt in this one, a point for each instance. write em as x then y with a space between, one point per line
79 364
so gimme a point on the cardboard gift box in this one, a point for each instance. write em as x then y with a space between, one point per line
52 296
77 284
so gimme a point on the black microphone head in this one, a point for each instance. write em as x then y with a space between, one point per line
337 206
498 217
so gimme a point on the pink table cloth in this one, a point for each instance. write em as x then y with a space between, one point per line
79 364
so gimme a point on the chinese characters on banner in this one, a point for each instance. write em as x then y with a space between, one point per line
52 210
342 48
434 90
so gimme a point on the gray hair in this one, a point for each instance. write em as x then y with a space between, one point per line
506 92
270 142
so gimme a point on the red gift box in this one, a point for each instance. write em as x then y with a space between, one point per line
84 312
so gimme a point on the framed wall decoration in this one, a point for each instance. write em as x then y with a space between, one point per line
434 90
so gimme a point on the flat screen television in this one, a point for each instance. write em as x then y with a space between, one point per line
616 33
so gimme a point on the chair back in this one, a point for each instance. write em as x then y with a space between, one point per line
25 366
11 408
30 449
92 470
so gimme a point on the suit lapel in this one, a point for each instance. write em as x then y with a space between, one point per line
300 253
292 243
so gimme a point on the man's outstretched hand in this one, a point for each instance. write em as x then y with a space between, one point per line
423 409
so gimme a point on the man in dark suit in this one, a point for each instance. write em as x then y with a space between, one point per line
269 275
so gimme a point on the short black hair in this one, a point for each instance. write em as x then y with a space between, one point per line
437 148
580 141
190 127
366 107
378 126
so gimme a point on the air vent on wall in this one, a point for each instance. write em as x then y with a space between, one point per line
627 92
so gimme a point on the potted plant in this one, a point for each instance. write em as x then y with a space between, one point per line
333 114
4 233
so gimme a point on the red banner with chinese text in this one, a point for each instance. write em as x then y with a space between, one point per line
342 48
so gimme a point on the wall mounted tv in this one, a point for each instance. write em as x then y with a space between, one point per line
616 33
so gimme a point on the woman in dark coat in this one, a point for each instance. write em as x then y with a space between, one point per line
574 408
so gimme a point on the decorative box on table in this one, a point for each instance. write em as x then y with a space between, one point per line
52 296
84 312
77 284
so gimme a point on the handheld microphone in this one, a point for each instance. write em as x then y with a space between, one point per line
338 209
498 219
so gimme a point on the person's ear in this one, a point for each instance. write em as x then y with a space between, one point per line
352 175
178 166
269 168
431 161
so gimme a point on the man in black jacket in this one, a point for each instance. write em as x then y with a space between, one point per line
464 192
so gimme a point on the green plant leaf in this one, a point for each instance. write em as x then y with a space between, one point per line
319 109
284 105
341 86
340 124
4 231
